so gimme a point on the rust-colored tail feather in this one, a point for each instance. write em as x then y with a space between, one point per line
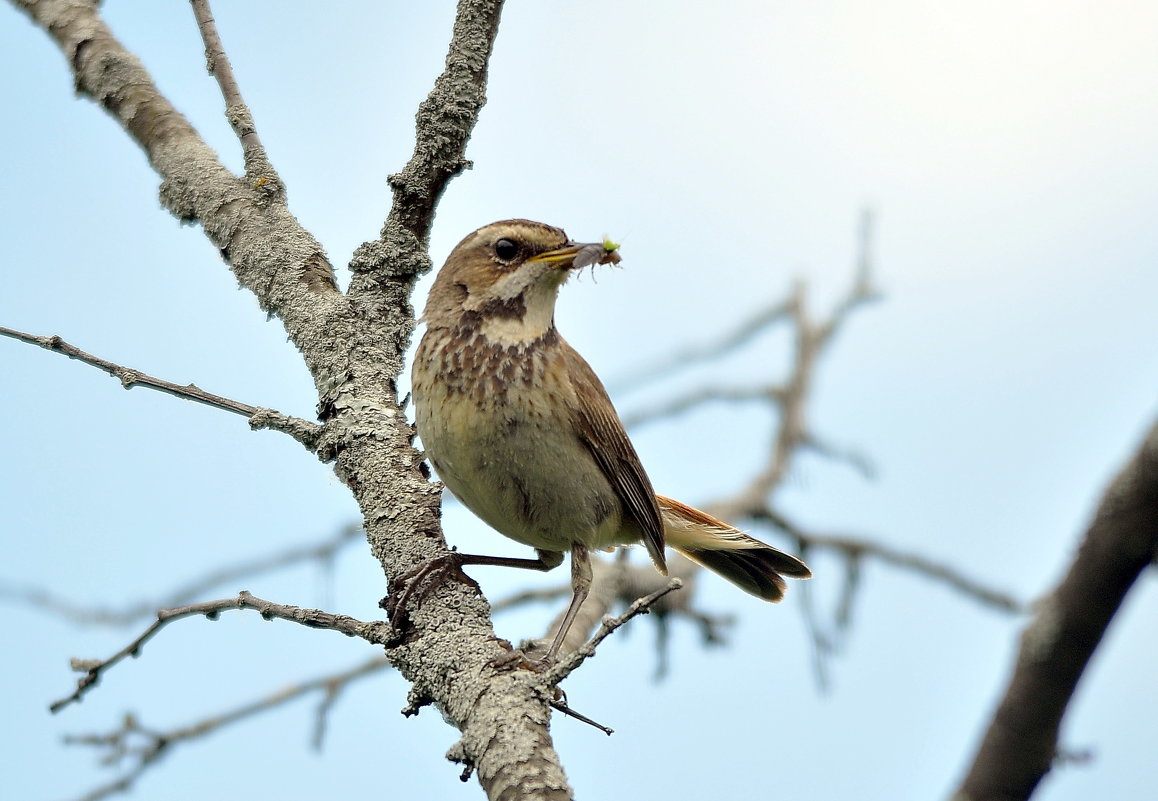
751 565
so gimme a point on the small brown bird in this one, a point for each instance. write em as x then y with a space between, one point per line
521 430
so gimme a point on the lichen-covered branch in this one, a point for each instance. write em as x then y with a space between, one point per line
266 248
354 348
303 431
257 165
443 125
94 669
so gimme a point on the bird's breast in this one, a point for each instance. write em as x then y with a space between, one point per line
496 422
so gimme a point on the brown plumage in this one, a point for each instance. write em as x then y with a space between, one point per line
751 565
521 430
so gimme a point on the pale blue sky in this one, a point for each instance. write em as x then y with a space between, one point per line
1008 150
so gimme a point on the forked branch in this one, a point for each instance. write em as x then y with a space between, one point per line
377 633
237 112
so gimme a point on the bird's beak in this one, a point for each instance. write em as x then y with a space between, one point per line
577 255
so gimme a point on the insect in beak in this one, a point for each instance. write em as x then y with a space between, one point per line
577 255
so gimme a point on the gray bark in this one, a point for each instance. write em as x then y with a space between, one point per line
353 345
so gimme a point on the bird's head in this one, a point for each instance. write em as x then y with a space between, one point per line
505 277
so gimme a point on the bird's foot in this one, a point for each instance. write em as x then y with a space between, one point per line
530 655
412 586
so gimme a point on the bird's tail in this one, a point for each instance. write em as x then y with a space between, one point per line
745 561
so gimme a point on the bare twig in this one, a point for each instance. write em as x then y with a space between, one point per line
855 548
793 432
950 576
764 319
616 584
699 397
788 398
303 431
792 435
1021 743
376 632
528 596
853 458
333 686
120 743
571 713
573 660
863 290
741 335
237 112
321 552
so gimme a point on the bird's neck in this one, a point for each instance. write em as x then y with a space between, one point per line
520 320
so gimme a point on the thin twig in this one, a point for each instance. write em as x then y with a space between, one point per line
301 430
619 582
333 687
39 598
863 290
700 397
789 398
118 744
573 660
793 431
571 713
528 596
738 337
853 458
237 111
93 669
858 548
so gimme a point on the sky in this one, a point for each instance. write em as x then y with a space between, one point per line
1006 151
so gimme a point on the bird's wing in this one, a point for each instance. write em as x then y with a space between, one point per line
602 432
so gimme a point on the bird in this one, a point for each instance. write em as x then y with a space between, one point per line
520 429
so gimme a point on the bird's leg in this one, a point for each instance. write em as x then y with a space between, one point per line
412 583
547 560
580 586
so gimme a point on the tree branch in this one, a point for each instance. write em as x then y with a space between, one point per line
641 606
39 598
741 335
120 743
257 165
377 633
443 126
1022 740
793 432
792 436
354 348
700 397
303 431
857 548
268 251
788 398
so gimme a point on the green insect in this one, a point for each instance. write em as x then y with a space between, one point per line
605 253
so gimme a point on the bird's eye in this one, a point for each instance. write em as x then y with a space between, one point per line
506 249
